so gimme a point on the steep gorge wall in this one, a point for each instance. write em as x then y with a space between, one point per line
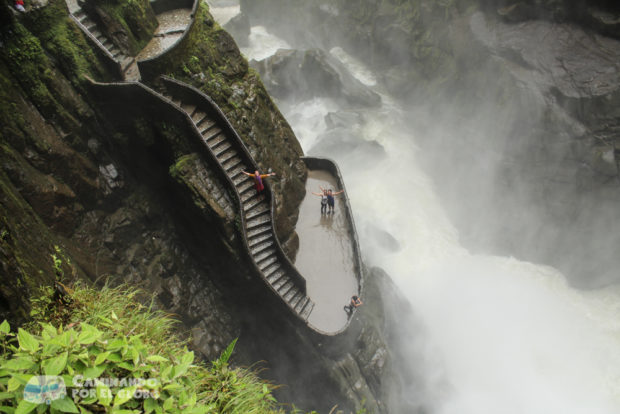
104 191
518 101
110 186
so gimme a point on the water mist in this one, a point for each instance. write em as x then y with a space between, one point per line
504 336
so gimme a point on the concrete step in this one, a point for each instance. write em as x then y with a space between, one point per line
285 287
199 117
211 133
268 262
258 221
231 163
291 293
258 230
261 247
307 310
299 306
277 278
205 123
270 270
227 155
206 127
248 195
217 140
189 108
264 255
245 185
221 147
236 174
262 208
281 282
257 239
251 202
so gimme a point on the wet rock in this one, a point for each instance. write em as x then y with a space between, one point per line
110 175
239 27
348 374
343 119
603 21
311 73
604 160
574 62
223 3
341 141
383 238
517 12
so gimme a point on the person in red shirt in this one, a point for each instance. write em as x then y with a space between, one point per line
258 179
19 5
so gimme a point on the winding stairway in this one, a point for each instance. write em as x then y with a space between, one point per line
126 64
256 208
229 153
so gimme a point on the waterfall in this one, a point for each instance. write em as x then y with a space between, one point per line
507 336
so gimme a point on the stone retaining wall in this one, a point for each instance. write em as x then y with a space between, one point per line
150 68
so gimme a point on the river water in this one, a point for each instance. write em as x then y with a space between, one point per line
497 335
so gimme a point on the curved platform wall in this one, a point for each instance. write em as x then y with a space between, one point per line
161 6
150 68
336 343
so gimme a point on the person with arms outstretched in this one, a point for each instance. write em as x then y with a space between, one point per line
258 179
323 196
330 199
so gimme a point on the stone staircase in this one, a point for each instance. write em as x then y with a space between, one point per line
255 208
127 64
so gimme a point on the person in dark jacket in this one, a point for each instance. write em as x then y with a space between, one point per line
355 303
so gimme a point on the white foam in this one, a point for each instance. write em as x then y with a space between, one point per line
223 14
511 337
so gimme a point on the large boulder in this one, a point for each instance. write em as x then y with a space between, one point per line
239 27
342 142
311 73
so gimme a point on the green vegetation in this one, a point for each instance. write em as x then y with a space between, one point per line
102 334
135 17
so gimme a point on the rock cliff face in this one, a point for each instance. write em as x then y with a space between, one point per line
519 98
100 188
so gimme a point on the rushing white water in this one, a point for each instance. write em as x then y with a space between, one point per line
223 14
509 336
263 44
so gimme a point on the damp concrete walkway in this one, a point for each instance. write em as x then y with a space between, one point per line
325 257
172 25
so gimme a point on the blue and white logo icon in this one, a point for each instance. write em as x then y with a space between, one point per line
44 389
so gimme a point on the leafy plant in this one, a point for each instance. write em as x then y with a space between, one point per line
118 356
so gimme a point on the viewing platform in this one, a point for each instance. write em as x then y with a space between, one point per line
328 270
327 256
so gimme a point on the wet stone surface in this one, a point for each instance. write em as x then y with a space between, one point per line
325 257
172 24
